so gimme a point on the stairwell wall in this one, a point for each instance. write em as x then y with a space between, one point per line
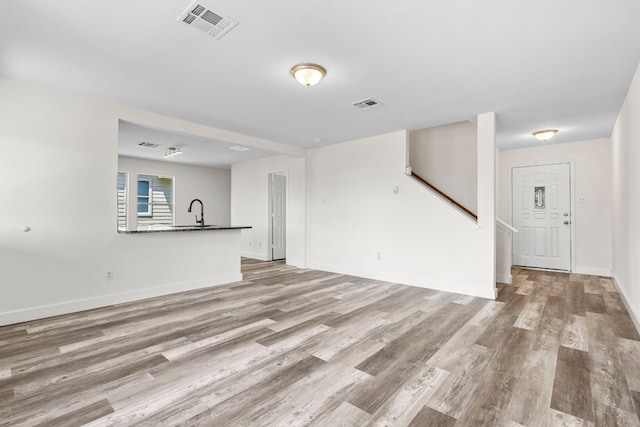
358 225
446 156
625 141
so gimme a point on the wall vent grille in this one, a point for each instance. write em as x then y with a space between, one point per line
366 104
149 144
207 20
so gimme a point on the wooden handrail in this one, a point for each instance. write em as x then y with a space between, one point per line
443 194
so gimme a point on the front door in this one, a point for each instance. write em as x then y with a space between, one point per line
541 212
278 216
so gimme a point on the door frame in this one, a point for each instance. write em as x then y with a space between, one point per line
572 201
284 172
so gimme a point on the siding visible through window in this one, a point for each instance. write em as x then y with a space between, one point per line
122 200
156 199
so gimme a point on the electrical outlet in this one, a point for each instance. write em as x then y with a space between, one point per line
378 256
109 275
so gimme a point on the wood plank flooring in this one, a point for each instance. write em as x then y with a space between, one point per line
302 347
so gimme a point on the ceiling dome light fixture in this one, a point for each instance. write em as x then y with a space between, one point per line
308 74
544 135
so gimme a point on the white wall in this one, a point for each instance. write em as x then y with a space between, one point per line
249 205
504 250
591 219
446 156
211 185
58 176
625 141
353 214
504 240
67 142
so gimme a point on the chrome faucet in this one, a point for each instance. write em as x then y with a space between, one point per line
201 220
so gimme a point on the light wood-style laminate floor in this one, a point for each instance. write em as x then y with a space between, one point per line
303 347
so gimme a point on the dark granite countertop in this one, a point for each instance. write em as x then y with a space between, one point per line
181 228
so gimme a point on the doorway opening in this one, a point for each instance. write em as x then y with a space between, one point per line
541 210
277 216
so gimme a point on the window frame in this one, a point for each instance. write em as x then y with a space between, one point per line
149 196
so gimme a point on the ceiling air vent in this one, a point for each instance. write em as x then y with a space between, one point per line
204 19
149 144
365 104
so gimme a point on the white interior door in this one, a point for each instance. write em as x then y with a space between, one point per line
278 216
541 209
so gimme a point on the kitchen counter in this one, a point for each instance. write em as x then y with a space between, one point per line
151 261
181 228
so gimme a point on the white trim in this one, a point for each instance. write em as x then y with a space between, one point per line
173 201
572 197
634 319
295 263
149 196
254 255
504 278
24 315
420 282
506 227
285 173
591 271
552 270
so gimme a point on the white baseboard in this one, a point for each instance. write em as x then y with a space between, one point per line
421 282
295 263
254 255
41 312
603 272
633 316
504 278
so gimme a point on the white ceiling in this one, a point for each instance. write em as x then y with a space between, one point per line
195 150
547 63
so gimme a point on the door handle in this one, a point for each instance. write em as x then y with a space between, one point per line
566 223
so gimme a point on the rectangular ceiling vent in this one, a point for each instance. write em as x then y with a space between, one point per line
366 104
149 144
204 19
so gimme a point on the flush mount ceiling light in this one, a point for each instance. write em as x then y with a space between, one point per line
308 74
239 148
544 135
172 152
